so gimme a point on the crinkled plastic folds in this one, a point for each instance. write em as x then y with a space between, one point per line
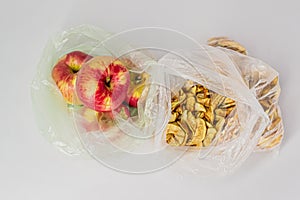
255 123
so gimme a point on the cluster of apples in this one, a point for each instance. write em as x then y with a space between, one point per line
102 84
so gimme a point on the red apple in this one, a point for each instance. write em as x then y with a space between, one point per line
64 74
87 119
137 85
91 120
102 83
137 82
107 119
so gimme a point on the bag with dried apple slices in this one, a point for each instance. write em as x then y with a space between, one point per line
138 110
223 104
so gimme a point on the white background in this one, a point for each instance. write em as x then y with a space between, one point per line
31 168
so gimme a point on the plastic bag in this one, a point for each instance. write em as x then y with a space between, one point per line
54 120
139 142
263 81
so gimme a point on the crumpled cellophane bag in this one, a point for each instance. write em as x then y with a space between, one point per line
263 81
54 117
139 144
252 84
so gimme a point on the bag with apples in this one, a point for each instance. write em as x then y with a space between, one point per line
84 93
53 88
140 108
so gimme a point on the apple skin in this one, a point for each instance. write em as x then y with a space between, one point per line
137 82
76 59
91 120
88 119
106 120
137 85
102 83
64 73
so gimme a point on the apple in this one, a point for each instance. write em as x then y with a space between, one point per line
102 83
64 73
137 82
136 87
91 120
106 120
87 119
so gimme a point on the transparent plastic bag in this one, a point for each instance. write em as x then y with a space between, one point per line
139 142
235 141
54 117
263 81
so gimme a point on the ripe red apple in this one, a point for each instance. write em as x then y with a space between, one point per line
64 74
137 85
102 83
87 119
137 82
91 120
106 120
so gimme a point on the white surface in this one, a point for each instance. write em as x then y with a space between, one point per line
30 168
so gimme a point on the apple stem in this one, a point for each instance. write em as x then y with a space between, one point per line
107 81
